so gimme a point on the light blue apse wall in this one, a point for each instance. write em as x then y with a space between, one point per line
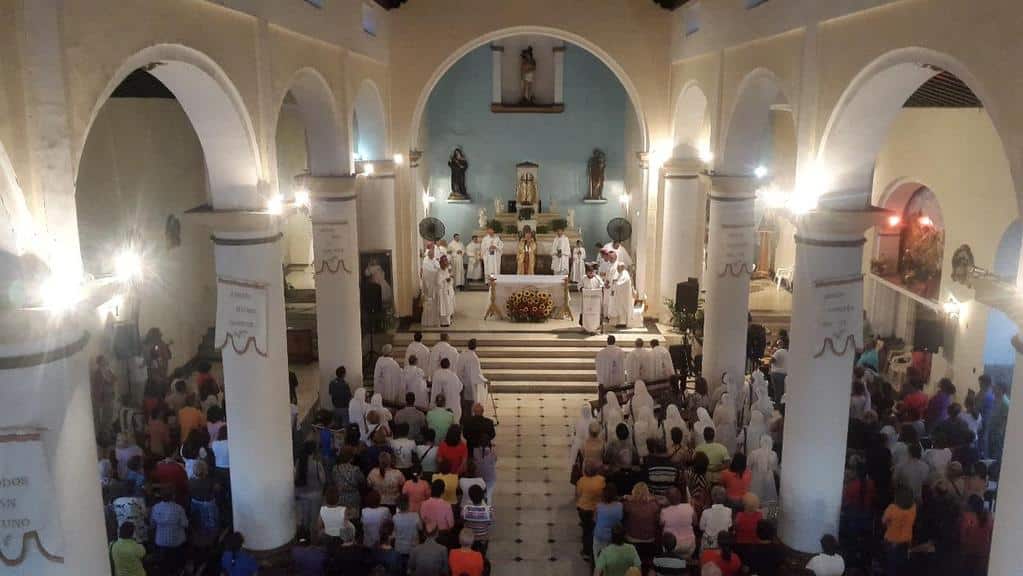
458 114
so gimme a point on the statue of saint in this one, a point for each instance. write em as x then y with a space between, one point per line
526 194
482 220
527 67
595 167
571 217
459 165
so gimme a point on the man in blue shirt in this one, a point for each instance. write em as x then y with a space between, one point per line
340 395
170 523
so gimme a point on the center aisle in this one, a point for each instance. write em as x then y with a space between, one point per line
536 528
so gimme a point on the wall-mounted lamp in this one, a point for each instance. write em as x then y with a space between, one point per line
302 198
760 171
952 308
399 159
275 204
894 220
368 169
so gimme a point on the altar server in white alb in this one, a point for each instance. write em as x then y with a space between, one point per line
591 288
561 250
414 380
474 252
621 296
639 364
419 350
578 262
441 350
470 372
388 378
620 251
446 382
430 268
608 273
456 252
492 246
611 365
661 362
445 292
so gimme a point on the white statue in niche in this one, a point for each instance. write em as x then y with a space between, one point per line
482 221
571 217
497 206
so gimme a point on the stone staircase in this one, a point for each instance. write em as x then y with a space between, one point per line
529 362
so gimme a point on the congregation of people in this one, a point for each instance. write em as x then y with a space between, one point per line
673 479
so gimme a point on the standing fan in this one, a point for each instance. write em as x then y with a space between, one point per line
619 229
431 229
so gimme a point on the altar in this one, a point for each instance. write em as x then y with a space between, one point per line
502 286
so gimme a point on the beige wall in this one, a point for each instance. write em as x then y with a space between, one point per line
958 155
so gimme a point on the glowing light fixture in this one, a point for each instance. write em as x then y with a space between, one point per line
128 266
952 307
368 169
111 306
60 293
925 220
773 196
399 159
275 204
760 171
624 199
303 198
894 220
704 153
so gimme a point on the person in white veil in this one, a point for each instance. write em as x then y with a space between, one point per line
611 414
756 429
640 399
725 423
763 465
582 430
762 397
703 421
673 419
644 427
376 404
357 409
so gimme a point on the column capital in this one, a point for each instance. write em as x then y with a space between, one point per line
837 228
243 222
682 168
383 167
731 187
414 156
643 158
329 188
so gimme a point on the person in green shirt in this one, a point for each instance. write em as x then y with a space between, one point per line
439 418
126 553
616 558
717 453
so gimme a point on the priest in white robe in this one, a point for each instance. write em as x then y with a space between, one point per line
418 349
456 253
561 251
387 379
639 363
608 271
474 253
621 297
611 365
591 287
414 381
578 262
445 296
663 368
620 252
446 382
492 246
470 372
442 350
430 267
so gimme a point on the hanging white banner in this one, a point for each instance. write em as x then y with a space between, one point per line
241 316
839 305
27 498
330 240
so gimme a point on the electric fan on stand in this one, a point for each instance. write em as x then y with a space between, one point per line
431 229
619 229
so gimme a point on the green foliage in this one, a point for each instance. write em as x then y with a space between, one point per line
496 225
682 321
542 229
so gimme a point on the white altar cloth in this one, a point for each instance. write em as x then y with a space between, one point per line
507 284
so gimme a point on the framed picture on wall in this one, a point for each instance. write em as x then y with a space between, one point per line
376 288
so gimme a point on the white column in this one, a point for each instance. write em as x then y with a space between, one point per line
637 215
255 384
729 264
336 266
46 411
496 54
682 225
559 74
827 326
376 207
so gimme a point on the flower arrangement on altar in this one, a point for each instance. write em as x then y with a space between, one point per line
530 305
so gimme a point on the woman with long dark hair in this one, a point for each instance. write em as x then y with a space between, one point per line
454 450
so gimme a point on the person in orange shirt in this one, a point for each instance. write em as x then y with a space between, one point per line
190 417
737 479
898 520
589 491
465 561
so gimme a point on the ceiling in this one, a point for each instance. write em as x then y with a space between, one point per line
943 90
390 4
670 4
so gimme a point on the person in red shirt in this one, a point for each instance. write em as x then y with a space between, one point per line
975 529
746 521
737 480
454 450
465 561
171 473
914 404
723 557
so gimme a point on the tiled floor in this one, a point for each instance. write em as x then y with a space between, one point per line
537 531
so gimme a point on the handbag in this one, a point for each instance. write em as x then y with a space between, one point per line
577 469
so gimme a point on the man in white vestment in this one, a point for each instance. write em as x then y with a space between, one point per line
611 365
591 287
446 382
620 251
388 378
578 262
492 247
414 381
621 297
440 351
474 252
430 267
470 372
561 250
445 297
663 368
608 271
419 350
639 364
456 252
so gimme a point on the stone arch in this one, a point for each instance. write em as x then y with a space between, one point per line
859 124
326 148
216 111
369 123
691 129
747 127
17 230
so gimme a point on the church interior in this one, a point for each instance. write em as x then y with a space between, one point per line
771 248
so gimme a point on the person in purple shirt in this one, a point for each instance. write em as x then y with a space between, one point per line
937 406
235 561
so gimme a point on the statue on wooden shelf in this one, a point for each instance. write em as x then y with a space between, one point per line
595 167
527 66
459 166
526 193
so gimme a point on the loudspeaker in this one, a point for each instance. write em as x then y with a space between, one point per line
126 340
372 297
687 295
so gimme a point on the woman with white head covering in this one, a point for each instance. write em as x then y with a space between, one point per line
703 421
755 431
673 419
644 427
611 413
582 430
724 423
357 409
640 398
762 396
763 465
377 405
